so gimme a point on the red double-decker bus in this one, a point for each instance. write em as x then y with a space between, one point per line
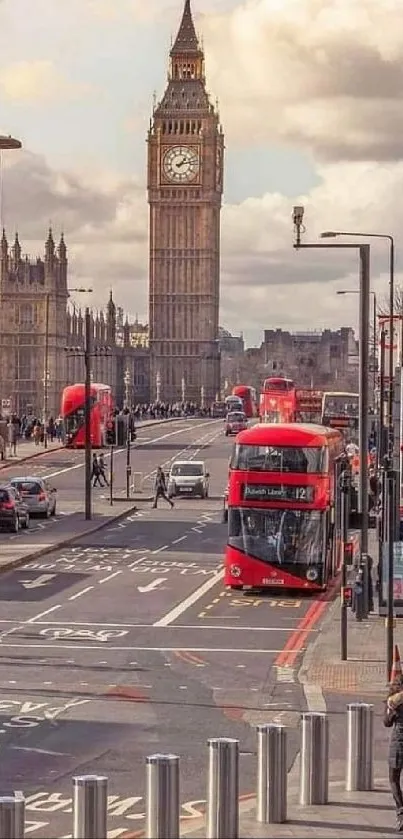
73 414
277 400
280 507
248 396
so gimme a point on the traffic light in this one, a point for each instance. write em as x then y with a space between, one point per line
121 430
110 434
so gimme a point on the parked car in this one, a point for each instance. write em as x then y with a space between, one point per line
188 477
39 496
14 513
236 421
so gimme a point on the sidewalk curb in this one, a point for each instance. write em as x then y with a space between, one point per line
64 543
310 651
9 463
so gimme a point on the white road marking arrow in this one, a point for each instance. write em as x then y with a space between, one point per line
43 580
153 585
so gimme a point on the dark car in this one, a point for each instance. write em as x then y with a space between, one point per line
14 513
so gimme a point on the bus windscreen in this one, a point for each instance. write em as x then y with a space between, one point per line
277 536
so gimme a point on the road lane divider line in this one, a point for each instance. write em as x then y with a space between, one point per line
189 601
181 539
196 626
78 648
120 451
42 614
109 577
162 548
80 593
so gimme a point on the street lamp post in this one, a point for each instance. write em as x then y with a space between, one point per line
364 254
87 355
46 372
158 385
183 387
127 380
391 477
87 399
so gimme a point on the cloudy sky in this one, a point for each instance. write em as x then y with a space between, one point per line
310 95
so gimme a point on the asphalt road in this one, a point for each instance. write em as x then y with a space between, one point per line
126 644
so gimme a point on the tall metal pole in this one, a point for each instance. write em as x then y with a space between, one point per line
363 394
46 371
128 457
390 590
374 345
381 443
87 363
344 487
391 372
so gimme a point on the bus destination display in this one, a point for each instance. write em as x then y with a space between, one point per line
278 492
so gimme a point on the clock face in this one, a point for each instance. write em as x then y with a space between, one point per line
181 164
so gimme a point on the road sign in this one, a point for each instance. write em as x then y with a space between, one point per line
6 404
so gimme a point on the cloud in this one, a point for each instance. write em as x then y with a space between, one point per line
264 282
327 76
36 82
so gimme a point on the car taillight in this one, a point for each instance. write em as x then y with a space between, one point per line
42 496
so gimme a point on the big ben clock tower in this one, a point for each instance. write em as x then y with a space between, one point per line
185 183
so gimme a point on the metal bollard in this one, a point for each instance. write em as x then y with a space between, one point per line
162 797
12 816
90 807
360 733
314 781
223 789
271 794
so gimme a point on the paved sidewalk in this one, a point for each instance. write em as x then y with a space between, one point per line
27 449
365 671
330 685
358 815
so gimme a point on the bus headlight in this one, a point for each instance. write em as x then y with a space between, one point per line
312 574
235 571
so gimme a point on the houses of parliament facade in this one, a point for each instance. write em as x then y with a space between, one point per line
42 334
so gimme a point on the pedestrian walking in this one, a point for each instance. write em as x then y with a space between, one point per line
393 718
102 469
96 472
160 488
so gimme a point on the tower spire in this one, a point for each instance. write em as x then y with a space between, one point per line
186 40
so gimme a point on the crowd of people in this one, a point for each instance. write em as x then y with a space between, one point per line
14 428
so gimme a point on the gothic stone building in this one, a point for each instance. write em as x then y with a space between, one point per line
313 359
40 331
185 184
33 297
